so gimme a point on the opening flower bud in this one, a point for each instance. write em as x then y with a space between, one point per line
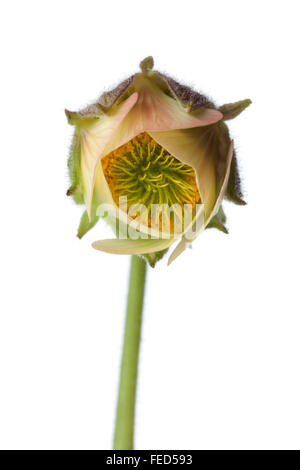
159 156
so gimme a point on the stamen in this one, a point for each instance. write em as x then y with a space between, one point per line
147 174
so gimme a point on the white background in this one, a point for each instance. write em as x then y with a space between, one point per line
220 350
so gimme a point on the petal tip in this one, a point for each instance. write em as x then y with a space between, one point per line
218 115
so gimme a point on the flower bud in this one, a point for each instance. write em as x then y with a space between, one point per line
155 159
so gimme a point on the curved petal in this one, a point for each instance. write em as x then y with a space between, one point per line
224 184
103 191
184 243
193 147
131 247
180 248
156 111
93 141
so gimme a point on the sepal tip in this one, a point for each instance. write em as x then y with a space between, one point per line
232 110
147 64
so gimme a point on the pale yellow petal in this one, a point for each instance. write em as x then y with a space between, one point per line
184 243
224 184
94 139
193 147
156 111
180 248
131 247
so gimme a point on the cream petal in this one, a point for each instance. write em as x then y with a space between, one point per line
141 246
131 247
102 189
224 184
192 146
93 141
184 243
221 193
180 248
156 111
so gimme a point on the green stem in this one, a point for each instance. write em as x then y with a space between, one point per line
124 427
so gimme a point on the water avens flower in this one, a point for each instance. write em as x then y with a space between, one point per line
155 159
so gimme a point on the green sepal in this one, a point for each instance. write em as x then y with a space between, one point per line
86 224
86 116
234 188
147 64
153 258
234 191
75 190
218 221
232 110
77 197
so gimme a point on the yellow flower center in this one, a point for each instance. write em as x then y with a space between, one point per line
145 173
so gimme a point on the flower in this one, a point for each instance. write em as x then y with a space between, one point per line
153 143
